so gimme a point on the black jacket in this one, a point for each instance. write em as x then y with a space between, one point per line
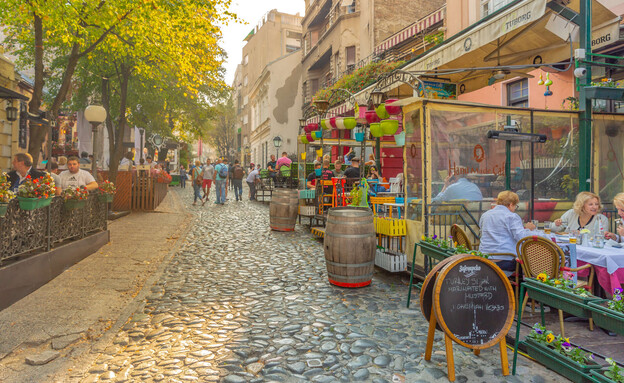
14 177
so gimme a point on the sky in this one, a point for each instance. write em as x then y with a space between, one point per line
250 11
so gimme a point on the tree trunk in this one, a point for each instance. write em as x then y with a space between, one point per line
116 131
113 165
37 132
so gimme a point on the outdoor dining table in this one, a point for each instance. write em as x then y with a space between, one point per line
608 262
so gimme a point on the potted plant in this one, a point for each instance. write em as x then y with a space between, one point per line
609 314
440 248
35 194
375 129
611 374
562 294
108 190
6 195
75 197
558 354
389 126
349 123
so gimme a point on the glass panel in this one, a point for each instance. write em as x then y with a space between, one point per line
413 159
609 136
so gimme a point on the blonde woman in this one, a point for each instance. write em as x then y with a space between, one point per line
618 202
585 214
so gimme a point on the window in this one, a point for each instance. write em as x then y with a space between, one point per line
314 86
337 64
518 93
245 81
490 6
350 55
246 60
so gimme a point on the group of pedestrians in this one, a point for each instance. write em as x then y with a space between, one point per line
218 173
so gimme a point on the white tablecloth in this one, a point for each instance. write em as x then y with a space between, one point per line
609 257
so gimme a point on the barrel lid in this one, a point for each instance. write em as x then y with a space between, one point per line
350 211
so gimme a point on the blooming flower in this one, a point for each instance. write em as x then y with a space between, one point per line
617 291
542 277
550 338
617 298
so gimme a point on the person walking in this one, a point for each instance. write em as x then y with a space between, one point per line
208 176
183 177
252 178
221 174
196 176
237 174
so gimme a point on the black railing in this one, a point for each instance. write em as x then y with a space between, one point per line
442 217
25 232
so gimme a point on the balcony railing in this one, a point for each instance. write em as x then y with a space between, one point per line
332 17
25 232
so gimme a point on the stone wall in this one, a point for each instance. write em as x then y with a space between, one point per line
7 80
393 15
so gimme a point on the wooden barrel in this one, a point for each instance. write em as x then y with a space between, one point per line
283 209
350 246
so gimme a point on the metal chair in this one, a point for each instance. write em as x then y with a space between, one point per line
540 255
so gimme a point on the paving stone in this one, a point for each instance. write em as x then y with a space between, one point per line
64 341
42 358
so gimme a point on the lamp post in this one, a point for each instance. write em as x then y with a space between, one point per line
11 112
95 114
142 132
277 142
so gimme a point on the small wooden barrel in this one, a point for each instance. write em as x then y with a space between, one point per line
283 209
350 246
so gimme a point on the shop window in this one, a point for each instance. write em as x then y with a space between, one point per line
518 93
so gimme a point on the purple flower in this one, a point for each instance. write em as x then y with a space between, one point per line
617 291
434 236
617 298
539 331
566 345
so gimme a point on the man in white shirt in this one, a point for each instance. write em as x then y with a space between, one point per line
207 176
76 177
151 162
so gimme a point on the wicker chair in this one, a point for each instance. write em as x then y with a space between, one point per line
540 255
460 236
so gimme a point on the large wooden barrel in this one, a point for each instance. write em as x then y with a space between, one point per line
350 246
283 209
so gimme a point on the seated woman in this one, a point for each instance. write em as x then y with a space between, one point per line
373 176
501 229
583 215
618 202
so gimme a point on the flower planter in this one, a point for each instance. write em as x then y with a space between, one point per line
104 197
389 127
340 123
332 122
392 110
434 251
559 299
72 204
359 136
399 139
360 116
33 203
371 116
3 209
309 137
375 129
551 358
606 318
599 376
349 123
324 124
317 134
381 111
604 93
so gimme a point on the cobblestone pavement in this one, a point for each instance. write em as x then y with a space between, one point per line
240 303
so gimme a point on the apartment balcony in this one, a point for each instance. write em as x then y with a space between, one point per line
324 23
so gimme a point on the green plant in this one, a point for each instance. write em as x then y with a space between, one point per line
6 194
449 245
38 188
356 195
614 372
434 38
75 193
563 284
608 83
573 103
107 187
617 303
562 345
569 184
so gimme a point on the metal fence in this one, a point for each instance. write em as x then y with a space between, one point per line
25 232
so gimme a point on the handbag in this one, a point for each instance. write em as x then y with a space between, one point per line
199 178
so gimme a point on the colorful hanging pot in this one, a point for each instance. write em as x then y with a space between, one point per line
375 129
392 109
332 122
340 123
381 111
309 137
324 125
360 116
308 128
389 126
303 140
317 134
349 123
371 117
359 136
399 139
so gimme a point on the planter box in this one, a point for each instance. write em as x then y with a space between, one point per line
434 251
390 260
598 376
72 204
604 93
606 318
33 203
559 299
106 197
3 209
576 372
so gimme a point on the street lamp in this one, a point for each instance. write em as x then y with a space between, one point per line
277 142
95 114
377 97
11 112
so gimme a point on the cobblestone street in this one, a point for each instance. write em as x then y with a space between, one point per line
241 303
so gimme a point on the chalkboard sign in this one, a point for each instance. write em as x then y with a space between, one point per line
426 292
473 302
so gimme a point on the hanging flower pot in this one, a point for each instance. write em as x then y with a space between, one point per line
317 134
359 136
375 129
72 204
381 111
106 197
3 209
303 140
389 126
371 117
33 203
308 128
349 122
340 123
324 125
332 122
399 139
360 116
309 137
392 109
